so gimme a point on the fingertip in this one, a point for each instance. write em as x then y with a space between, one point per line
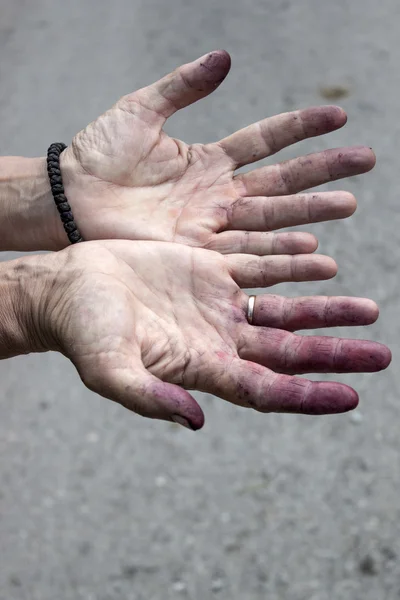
192 424
305 243
385 358
351 401
327 398
196 418
331 267
314 267
339 115
189 408
224 57
172 402
348 203
343 114
297 243
372 158
362 158
323 119
214 66
313 242
371 311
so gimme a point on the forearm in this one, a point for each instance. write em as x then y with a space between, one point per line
22 287
29 220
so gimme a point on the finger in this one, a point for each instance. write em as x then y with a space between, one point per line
185 85
312 312
267 137
289 353
143 393
251 271
298 174
270 214
252 385
261 243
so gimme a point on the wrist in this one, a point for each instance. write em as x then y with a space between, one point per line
25 286
29 219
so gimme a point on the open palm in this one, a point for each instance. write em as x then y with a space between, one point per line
144 321
126 178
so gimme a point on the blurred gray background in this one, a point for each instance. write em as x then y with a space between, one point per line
98 504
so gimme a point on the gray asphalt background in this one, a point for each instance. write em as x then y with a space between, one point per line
98 504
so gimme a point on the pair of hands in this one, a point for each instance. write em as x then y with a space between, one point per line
142 320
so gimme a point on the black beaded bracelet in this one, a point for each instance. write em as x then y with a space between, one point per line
57 189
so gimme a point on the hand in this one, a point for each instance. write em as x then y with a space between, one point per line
143 320
125 178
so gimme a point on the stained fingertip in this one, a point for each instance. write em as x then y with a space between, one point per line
342 115
188 424
193 414
384 358
372 156
214 67
224 57
362 356
325 398
323 119
337 116
176 404
361 158
196 420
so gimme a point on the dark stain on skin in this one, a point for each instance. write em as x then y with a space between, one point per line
209 73
192 413
322 119
333 401
238 318
206 66
238 315
244 393
218 65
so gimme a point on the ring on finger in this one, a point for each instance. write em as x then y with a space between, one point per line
250 309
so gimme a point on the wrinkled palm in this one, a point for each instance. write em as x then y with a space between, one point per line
141 321
126 178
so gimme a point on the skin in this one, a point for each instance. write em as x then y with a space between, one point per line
145 321
125 178
136 182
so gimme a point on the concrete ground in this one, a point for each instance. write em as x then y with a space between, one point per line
98 504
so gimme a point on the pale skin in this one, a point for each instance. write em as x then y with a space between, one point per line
126 178
145 321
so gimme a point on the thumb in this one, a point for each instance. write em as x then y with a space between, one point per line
143 393
185 85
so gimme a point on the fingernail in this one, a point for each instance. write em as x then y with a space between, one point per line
182 421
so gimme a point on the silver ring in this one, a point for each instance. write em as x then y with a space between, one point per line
250 309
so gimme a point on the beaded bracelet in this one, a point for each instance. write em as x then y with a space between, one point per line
57 189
